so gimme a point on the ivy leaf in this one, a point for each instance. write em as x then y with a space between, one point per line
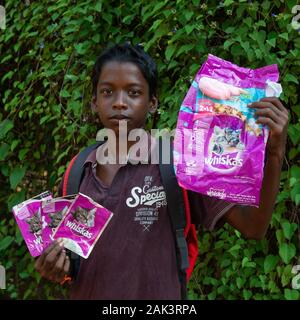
211 295
235 247
24 275
295 172
272 42
98 6
189 28
297 199
6 242
284 36
5 170
38 99
65 94
294 133
5 126
188 15
245 45
228 43
71 77
185 49
14 144
279 236
291 78
295 191
22 153
16 176
289 229
4 149
291 294
247 294
287 251
228 2
286 276
18 237
81 48
15 198
247 263
240 282
45 118
270 263
156 24
169 52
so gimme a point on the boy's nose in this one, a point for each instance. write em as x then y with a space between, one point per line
120 101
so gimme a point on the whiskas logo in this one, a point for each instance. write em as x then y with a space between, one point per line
81 230
224 160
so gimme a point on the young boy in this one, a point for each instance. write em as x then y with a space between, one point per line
131 261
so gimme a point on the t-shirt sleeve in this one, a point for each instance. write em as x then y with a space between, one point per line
207 211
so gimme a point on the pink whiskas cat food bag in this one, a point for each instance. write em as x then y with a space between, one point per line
82 225
29 219
53 211
219 149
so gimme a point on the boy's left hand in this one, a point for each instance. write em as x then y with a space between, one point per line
271 112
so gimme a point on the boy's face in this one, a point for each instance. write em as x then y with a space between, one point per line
123 94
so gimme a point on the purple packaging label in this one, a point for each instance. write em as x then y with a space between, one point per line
53 211
82 225
28 217
219 149
227 72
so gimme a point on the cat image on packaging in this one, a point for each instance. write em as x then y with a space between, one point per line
29 219
53 211
82 225
225 140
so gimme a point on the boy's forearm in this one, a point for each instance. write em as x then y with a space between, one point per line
261 216
253 222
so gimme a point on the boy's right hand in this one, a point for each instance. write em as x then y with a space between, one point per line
54 263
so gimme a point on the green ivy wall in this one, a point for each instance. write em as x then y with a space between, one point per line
47 51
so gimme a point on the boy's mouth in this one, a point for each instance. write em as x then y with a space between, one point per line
119 117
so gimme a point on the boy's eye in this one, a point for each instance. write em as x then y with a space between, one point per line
134 92
106 91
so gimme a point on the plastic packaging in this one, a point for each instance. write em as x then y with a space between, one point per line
219 148
53 211
82 225
29 219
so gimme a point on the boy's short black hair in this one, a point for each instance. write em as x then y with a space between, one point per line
128 53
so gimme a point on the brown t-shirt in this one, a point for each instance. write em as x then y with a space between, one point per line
135 256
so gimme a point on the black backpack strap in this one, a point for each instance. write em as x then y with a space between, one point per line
73 184
76 172
176 211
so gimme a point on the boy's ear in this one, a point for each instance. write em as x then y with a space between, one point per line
153 105
94 104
